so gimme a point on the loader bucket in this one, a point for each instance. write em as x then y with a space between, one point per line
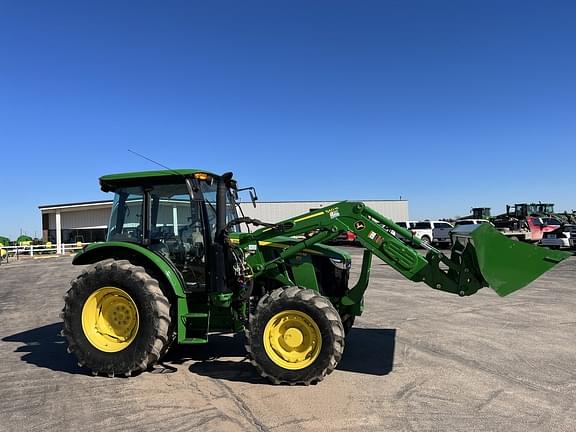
506 265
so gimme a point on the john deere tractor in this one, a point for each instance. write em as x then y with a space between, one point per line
176 267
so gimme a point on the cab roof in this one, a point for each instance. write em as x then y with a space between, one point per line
113 181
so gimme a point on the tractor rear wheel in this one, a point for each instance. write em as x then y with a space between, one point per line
116 318
295 336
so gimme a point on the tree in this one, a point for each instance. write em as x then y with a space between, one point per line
24 240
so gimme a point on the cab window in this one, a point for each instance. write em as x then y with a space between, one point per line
126 218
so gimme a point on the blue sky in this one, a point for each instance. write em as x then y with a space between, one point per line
450 104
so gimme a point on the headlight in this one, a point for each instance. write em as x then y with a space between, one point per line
340 264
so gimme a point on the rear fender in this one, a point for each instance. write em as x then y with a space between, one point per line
154 264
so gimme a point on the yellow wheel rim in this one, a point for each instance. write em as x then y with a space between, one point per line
110 319
292 340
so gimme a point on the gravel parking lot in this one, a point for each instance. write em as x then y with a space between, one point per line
417 360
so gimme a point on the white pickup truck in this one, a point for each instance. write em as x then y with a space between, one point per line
404 224
433 232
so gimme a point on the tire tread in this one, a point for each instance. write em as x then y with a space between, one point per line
125 270
328 311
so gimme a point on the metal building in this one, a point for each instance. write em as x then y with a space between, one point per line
86 222
275 211
70 223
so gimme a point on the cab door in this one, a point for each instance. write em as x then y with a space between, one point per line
177 232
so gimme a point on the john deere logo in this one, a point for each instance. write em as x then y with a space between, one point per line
359 225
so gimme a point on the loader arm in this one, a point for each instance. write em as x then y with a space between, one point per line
462 273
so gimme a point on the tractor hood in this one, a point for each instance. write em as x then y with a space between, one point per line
282 242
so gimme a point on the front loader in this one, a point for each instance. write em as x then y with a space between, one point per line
176 268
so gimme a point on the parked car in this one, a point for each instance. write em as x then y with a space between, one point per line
433 232
346 238
406 224
562 237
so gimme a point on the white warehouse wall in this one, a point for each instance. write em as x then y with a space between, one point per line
87 217
277 211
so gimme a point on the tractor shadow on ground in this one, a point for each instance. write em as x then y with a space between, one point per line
368 351
224 357
45 348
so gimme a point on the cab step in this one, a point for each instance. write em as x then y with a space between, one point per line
194 327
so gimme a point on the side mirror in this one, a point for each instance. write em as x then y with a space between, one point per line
253 197
252 192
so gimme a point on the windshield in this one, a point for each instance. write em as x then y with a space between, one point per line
209 192
552 221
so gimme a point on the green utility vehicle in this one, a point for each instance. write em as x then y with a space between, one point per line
176 268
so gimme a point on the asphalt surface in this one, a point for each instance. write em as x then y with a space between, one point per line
417 360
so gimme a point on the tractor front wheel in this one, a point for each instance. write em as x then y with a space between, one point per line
116 318
295 336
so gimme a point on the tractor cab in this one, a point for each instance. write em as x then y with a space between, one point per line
172 213
521 210
544 208
481 213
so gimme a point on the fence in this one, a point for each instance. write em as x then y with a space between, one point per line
15 252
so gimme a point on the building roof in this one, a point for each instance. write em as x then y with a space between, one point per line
76 204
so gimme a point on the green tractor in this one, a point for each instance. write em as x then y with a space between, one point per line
481 213
176 268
